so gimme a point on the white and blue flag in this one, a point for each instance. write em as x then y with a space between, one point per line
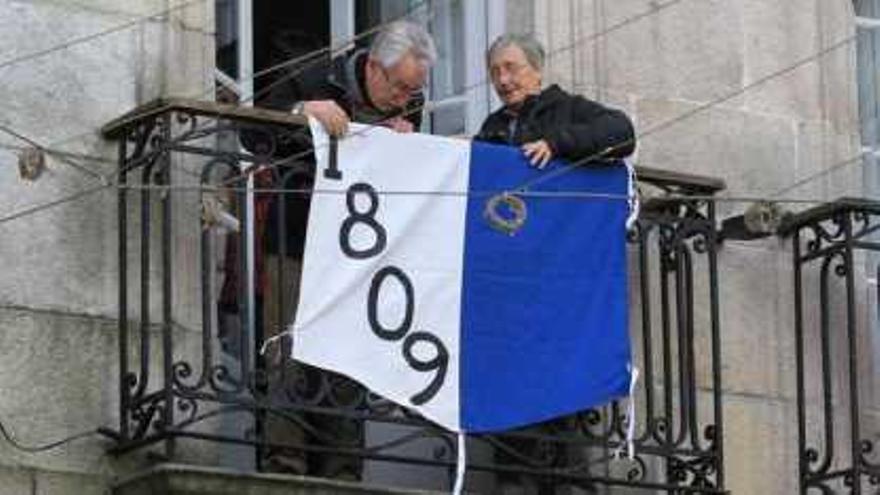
408 288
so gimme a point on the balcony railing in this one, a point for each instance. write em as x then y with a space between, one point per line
835 452
210 383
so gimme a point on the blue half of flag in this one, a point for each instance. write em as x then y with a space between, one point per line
544 311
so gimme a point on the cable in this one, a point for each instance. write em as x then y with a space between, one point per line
818 175
34 449
51 204
61 157
61 153
481 193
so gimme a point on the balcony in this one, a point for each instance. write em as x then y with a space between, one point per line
192 373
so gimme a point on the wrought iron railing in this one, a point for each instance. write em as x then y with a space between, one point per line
835 452
303 420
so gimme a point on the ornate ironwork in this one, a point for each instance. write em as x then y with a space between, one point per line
679 446
835 455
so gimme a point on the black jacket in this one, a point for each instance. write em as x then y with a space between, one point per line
340 79
572 125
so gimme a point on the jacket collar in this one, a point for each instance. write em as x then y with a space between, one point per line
548 96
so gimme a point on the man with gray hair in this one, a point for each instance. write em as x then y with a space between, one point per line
547 122
382 85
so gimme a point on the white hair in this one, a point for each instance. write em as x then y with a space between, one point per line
531 47
402 37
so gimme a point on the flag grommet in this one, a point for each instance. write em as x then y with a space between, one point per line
516 207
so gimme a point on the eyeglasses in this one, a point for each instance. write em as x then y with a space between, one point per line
398 86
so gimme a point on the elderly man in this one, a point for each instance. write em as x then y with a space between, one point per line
381 86
547 123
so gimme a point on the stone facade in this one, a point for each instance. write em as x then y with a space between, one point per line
58 291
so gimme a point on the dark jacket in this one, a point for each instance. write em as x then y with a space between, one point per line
573 126
340 79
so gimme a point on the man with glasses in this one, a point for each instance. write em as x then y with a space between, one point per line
383 86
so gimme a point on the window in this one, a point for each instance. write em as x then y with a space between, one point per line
868 29
868 52
458 91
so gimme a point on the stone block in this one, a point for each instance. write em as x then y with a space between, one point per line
757 349
778 35
690 51
60 377
828 164
77 277
59 483
760 445
520 16
754 154
16 481
56 383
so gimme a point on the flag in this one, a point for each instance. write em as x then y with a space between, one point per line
430 281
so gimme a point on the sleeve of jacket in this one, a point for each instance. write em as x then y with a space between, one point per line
594 129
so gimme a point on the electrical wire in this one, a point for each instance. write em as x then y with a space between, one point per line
35 449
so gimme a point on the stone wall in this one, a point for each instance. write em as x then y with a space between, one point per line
59 286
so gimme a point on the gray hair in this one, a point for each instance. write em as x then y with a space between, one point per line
528 44
402 37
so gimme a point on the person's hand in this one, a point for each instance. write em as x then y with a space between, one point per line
539 153
329 114
400 124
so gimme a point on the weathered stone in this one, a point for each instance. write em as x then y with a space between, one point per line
760 445
753 154
829 165
520 17
779 35
757 352
59 483
676 53
16 481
